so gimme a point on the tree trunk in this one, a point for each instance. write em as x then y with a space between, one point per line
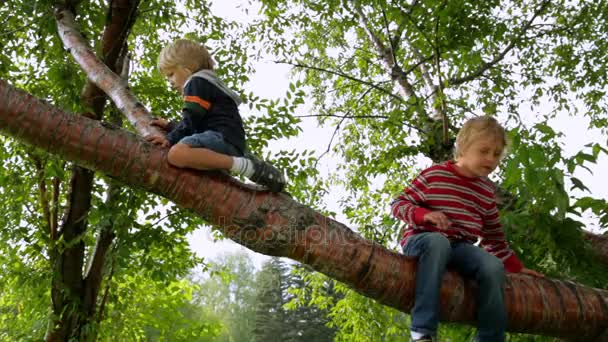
274 224
74 293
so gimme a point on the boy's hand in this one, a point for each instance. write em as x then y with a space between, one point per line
161 123
438 218
158 140
531 272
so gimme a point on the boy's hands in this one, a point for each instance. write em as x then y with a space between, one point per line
438 218
161 123
158 140
531 272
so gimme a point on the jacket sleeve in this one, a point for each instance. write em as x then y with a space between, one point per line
493 240
179 130
197 101
408 207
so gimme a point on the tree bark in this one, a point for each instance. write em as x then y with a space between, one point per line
102 75
274 224
74 296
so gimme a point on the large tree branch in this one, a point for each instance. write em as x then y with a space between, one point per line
274 224
120 19
102 76
490 64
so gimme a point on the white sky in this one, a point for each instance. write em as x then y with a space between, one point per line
271 81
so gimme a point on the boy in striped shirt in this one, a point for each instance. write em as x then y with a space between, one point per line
447 208
210 134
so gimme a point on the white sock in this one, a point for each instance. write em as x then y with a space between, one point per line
242 166
416 335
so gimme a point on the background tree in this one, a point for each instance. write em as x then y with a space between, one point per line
229 295
271 316
308 321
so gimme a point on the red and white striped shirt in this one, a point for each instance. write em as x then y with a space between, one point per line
469 204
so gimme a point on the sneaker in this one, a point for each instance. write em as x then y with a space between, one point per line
266 174
425 338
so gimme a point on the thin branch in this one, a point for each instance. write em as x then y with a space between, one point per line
337 73
164 218
420 30
31 24
401 27
42 192
388 35
338 126
106 291
390 66
55 207
342 116
355 117
441 96
501 55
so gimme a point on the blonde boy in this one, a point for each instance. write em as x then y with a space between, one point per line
447 208
210 134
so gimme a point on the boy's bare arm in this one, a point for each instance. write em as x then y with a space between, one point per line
531 272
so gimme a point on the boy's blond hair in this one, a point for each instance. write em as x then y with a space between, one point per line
476 127
184 53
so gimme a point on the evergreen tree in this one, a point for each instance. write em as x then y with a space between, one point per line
271 285
307 322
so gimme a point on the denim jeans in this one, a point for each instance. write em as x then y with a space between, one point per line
435 253
212 140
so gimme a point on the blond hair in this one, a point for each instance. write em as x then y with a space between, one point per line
184 53
476 127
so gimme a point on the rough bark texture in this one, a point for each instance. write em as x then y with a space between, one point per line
274 224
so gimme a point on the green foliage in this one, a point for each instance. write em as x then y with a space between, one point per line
271 283
308 321
527 62
283 308
144 309
229 295
482 58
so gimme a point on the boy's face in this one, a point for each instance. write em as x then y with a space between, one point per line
177 76
481 157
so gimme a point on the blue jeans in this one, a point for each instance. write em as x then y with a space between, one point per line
435 253
212 140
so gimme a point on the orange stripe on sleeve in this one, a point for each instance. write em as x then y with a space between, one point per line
203 103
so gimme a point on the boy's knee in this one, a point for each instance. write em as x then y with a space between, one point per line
177 155
492 269
437 241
